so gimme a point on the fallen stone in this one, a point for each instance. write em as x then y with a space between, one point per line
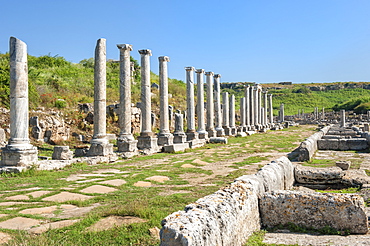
222 140
314 175
159 179
66 196
142 184
344 165
53 225
100 189
343 212
114 182
154 232
200 162
19 223
114 221
62 153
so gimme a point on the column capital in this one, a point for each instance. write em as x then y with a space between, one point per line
199 70
189 68
217 75
145 52
164 59
270 95
124 47
209 73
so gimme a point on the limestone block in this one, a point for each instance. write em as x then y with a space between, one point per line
344 165
62 153
339 211
222 140
256 183
273 177
227 217
288 167
328 144
313 175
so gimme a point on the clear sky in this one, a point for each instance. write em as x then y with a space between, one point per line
243 40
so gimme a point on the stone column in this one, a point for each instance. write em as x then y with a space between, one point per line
242 115
190 115
247 107
126 142
217 101
164 136
18 152
252 108
203 134
259 101
146 141
232 115
100 145
265 115
281 113
256 108
343 118
210 106
271 110
179 134
225 113
323 114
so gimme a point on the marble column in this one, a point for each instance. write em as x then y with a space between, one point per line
100 145
281 113
271 109
210 106
256 108
203 134
263 117
146 141
247 107
190 115
232 114
242 115
265 104
259 101
164 135
252 108
225 113
125 142
217 105
179 134
343 118
18 152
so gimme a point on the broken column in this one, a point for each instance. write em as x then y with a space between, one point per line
210 106
18 152
126 142
164 135
202 133
100 145
179 134
190 116
232 115
242 115
281 113
146 141
343 118
225 113
217 101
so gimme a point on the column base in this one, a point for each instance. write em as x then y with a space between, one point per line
99 148
165 139
202 134
220 132
148 144
212 133
192 135
177 147
25 156
179 137
196 143
127 148
227 130
233 131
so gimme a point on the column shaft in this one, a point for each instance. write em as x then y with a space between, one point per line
164 127
146 107
210 106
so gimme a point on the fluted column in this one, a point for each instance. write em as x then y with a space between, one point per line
18 151
247 107
232 115
210 106
203 134
99 143
271 110
190 115
126 142
164 136
217 101
225 113
146 140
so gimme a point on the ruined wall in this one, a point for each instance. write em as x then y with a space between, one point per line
308 147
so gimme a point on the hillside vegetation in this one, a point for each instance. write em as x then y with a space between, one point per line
55 82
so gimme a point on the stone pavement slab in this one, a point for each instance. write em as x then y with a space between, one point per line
159 179
114 182
53 225
66 196
4 238
101 189
114 221
37 194
17 197
19 223
142 184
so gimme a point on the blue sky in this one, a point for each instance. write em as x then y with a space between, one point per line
259 41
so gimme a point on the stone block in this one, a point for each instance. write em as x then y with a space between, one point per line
175 147
62 153
313 175
100 149
227 217
19 157
79 152
343 212
328 144
344 165
222 140
273 177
